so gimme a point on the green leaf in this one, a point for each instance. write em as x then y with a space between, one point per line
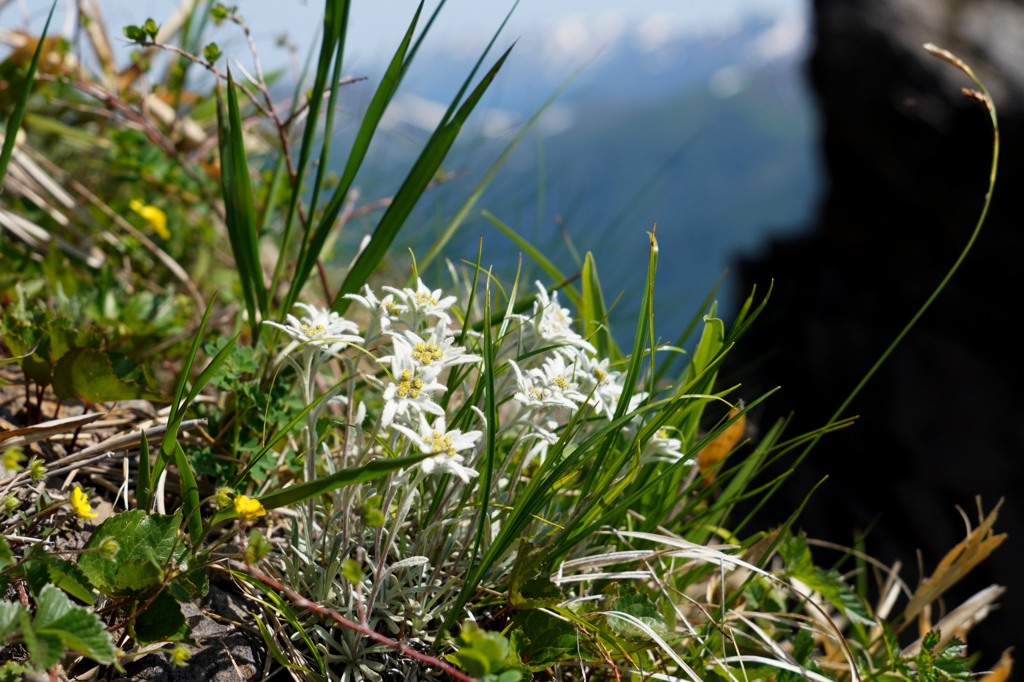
44 649
189 494
539 640
6 555
98 376
145 539
48 569
14 122
240 214
161 621
58 620
9 611
635 604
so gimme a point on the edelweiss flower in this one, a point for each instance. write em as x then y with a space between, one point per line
385 310
424 303
411 385
662 447
437 351
599 383
325 329
445 445
550 386
553 324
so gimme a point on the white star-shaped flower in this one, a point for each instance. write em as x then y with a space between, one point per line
445 445
323 328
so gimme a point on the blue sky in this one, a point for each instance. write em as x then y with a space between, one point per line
573 26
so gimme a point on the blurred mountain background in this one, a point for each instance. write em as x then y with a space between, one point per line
709 136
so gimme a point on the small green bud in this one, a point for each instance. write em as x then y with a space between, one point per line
36 469
257 548
135 33
10 504
151 28
211 53
352 571
371 513
109 548
224 497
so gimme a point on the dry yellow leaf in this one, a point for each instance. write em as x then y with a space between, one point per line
713 453
1002 671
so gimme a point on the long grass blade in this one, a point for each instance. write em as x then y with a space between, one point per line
312 246
18 114
423 171
189 494
240 214
302 492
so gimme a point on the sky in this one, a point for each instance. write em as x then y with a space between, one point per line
571 26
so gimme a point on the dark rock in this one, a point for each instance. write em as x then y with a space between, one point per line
223 652
907 157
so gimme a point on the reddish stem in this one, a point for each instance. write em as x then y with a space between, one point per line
304 603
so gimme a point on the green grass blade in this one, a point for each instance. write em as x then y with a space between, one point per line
332 39
144 487
312 247
189 494
643 333
280 435
178 405
423 171
240 214
534 253
594 313
302 492
14 122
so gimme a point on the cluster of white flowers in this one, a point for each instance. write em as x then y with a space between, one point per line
566 374
411 336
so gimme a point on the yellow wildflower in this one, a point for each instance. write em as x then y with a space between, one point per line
179 656
80 503
12 459
156 218
248 507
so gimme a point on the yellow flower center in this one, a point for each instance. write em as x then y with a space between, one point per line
441 443
600 374
409 385
425 298
537 393
312 330
560 382
427 353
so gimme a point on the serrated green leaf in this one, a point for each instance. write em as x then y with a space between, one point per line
97 376
640 607
12 672
161 621
71 626
48 569
539 640
6 555
9 617
144 539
